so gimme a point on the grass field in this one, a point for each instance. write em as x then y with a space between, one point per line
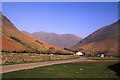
68 70
104 58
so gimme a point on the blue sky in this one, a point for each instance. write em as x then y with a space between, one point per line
79 18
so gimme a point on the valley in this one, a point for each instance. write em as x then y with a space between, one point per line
59 40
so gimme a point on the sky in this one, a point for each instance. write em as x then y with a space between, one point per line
78 18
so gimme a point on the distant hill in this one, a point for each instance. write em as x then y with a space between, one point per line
14 40
63 40
104 39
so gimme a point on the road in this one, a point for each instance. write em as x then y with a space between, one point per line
16 67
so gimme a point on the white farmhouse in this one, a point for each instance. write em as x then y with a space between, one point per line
51 54
79 53
102 55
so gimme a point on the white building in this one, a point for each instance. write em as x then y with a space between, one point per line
79 53
51 54
102 55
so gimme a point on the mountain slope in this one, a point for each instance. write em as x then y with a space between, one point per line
104 39
64 40
13 39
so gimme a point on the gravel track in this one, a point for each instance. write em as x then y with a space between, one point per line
16 67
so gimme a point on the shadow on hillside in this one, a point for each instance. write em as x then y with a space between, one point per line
115 68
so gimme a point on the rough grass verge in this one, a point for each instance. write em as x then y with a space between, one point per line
8 59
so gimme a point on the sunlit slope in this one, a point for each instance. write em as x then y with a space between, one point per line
104 39
13 39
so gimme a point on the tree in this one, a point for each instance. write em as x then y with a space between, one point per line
51 50
14 51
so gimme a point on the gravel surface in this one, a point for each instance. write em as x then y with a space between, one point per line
16 67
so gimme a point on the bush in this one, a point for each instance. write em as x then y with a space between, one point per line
39 42
14 51
51 50
15 39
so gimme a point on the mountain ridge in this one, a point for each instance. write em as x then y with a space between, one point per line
60 40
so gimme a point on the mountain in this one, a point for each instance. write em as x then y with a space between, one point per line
15 40
63 40
104 39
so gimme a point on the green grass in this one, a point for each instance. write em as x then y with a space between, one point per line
104 58
68 70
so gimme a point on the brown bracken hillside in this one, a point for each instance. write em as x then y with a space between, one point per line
14 40
104 39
